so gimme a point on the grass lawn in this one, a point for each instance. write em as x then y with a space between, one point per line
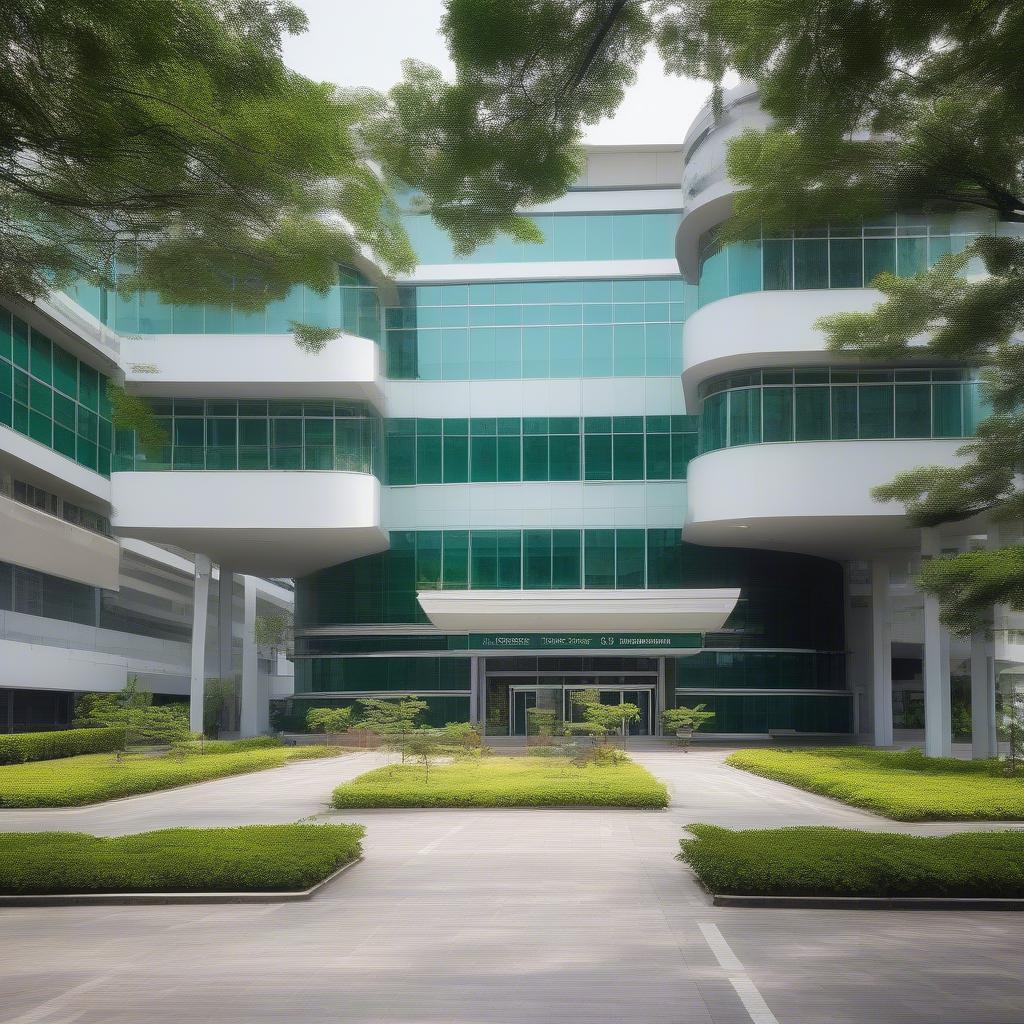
91 778
504 782
255 858
903 785
811 861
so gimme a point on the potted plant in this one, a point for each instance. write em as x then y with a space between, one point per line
682 721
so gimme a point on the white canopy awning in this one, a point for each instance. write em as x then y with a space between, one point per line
559 611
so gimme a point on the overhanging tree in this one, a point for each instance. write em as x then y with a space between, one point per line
164 145
878 106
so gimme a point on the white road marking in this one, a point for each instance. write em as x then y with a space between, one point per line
753 1002
57 1004
430 847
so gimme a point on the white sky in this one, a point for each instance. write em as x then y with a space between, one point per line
363 42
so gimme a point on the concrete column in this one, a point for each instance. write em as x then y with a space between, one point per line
938 741
481 671
249 718
200 604
881 653
983 697
225 623
474 690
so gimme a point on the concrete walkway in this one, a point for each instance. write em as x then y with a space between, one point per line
500 916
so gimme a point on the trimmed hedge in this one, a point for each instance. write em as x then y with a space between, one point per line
230 746
93 778
19 747
504 782
254 858
904 785
814 861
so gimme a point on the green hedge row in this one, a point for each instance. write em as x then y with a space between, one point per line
904 785
254 858
504 782
17 748
813 861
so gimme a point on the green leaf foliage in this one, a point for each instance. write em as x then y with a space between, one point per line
504 782
165 145
253 858
813 861
46 746
133 712
904 785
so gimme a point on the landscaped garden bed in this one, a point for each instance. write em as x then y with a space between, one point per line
254 858
91 778
903 785
812 861
505 782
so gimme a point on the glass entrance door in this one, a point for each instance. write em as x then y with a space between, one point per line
642 698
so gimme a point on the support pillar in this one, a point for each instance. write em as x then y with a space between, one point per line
474 691
249 718
200 604
983 697
938 740
225 623
881 653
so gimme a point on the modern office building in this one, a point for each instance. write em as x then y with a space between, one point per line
619 459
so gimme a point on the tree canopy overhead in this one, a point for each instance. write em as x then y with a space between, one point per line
877 106
170 134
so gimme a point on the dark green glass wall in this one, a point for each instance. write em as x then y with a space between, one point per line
397 674
761 713
431 451
52 397
786 670
290 715
786 600
258 434
831 404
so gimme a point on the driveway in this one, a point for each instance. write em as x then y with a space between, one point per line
460 916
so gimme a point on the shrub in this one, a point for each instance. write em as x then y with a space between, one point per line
97 777
505 782
253 858
45 746
904 785
329 720
230 746
814 861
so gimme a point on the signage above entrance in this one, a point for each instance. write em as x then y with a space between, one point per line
583 641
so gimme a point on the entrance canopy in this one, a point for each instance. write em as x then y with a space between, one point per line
560 611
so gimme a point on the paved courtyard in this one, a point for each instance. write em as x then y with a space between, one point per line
501 916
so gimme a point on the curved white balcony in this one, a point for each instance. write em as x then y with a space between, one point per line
273 523
808 496
251 366
764 329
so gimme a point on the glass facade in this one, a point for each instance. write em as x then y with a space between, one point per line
290 715
567 236
763 713
786 600
835 256
257 434
833 404
351 305
52 397
537 329
388 675
545 448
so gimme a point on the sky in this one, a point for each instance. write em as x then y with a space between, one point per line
363 42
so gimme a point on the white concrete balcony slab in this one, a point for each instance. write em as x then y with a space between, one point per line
251 366
807 496
273 523
764 329
37 540
561 611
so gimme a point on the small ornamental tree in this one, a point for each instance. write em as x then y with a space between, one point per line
392 719
683 720
332 721
423 747
602 719
132 710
